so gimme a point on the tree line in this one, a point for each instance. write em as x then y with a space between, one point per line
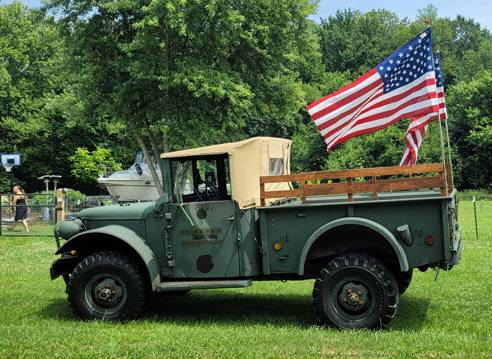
84 83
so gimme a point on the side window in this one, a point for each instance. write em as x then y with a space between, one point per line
276 166
201 179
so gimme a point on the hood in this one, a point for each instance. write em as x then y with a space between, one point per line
117 212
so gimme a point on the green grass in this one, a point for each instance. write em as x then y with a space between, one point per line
36 228
448 318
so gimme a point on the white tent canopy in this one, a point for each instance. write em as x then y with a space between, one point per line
248 160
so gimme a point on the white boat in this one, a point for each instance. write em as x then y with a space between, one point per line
132 184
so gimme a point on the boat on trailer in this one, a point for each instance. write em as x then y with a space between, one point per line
133 184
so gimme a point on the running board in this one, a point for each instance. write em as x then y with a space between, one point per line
201 284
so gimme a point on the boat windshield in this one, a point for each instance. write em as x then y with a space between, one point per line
139 156
201 179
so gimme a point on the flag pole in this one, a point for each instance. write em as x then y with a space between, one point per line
443 153
447 135
449 154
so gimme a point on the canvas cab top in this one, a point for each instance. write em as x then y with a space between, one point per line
233 168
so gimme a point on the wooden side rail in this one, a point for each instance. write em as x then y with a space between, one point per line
363 180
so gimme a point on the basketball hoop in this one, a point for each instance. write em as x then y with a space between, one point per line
9 160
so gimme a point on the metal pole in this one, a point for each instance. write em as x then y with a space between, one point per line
475 214
46 210
449 152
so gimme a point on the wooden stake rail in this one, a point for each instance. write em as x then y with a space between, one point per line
363 180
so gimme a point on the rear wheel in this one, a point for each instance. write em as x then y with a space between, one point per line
107 286
355 291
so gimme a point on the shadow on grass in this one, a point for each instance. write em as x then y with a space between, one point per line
233 308
412 313
57 309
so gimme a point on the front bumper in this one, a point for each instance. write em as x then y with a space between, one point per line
63 265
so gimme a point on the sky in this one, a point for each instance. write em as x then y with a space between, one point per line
479 10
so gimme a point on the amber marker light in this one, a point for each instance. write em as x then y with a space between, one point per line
277 246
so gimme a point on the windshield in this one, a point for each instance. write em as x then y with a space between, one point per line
201 179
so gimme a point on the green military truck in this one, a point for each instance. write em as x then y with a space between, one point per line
233 214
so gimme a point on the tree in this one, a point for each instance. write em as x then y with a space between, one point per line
188 73
88 166
470 111
29 56
356 42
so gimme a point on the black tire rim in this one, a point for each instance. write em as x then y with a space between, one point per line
105 293
352 294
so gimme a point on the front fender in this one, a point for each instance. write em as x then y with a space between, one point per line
383 231
125 235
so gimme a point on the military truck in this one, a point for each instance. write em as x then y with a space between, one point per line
233 214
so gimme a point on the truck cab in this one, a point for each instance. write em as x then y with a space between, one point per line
233 214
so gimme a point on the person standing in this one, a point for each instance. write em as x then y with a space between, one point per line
19 201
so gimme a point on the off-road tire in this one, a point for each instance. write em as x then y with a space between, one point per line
379 300
404 279
123 273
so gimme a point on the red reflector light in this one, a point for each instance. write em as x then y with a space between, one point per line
429 240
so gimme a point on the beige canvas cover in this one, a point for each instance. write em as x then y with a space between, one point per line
248 160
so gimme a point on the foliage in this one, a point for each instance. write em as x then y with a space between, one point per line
74 195
470 108
29 58
356 42
39 109
87 166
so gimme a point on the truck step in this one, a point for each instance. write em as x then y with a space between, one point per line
202 284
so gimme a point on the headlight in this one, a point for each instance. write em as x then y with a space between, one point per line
68 229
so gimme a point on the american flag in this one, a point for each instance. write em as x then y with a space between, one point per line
401 86
418 127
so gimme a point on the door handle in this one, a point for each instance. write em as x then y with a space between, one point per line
230 219
284 257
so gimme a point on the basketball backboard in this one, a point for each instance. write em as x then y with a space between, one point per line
10 160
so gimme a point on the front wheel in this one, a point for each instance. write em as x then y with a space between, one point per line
355 291
107 286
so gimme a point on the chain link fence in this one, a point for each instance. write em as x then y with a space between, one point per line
30 214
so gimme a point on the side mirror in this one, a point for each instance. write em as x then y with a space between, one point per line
161 201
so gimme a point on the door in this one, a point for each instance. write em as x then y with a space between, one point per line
205 240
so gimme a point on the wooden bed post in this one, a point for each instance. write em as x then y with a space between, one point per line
350 191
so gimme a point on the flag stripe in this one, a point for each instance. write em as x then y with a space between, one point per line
346 100
348 109
352 112
361 82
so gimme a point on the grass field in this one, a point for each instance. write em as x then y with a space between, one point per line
448 318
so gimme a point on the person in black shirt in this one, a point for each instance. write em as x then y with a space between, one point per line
19 201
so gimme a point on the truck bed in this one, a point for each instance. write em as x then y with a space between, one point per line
297 224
